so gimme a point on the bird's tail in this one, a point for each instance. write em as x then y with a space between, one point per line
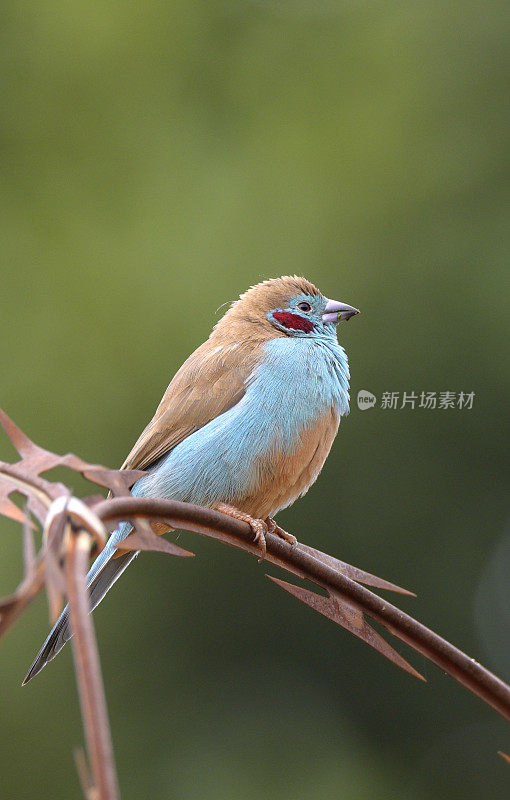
102 576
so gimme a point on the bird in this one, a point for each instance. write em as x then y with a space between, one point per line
245 425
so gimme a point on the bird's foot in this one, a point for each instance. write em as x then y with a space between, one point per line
258 526
273 527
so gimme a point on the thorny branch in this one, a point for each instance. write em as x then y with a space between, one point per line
73 528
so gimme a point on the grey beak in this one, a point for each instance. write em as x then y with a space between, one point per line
336 311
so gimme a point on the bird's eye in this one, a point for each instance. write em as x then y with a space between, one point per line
304 306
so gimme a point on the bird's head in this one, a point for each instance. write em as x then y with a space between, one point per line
287 306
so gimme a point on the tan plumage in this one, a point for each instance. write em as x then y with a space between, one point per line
290 475
209 383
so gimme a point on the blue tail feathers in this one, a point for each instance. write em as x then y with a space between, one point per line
103 574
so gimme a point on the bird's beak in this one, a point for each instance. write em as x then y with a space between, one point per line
336 312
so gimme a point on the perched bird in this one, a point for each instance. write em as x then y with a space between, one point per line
246 423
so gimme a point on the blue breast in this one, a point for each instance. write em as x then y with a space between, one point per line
298 380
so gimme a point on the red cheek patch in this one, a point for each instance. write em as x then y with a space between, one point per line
293 321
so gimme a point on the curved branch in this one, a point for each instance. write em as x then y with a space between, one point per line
315 566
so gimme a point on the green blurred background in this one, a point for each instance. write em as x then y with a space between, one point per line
157 159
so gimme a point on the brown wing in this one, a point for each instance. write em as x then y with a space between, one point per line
211 381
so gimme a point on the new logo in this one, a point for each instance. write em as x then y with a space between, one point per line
366 399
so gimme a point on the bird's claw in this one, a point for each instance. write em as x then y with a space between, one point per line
258 526
273 527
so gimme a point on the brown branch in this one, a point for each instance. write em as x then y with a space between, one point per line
312 565
88 670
